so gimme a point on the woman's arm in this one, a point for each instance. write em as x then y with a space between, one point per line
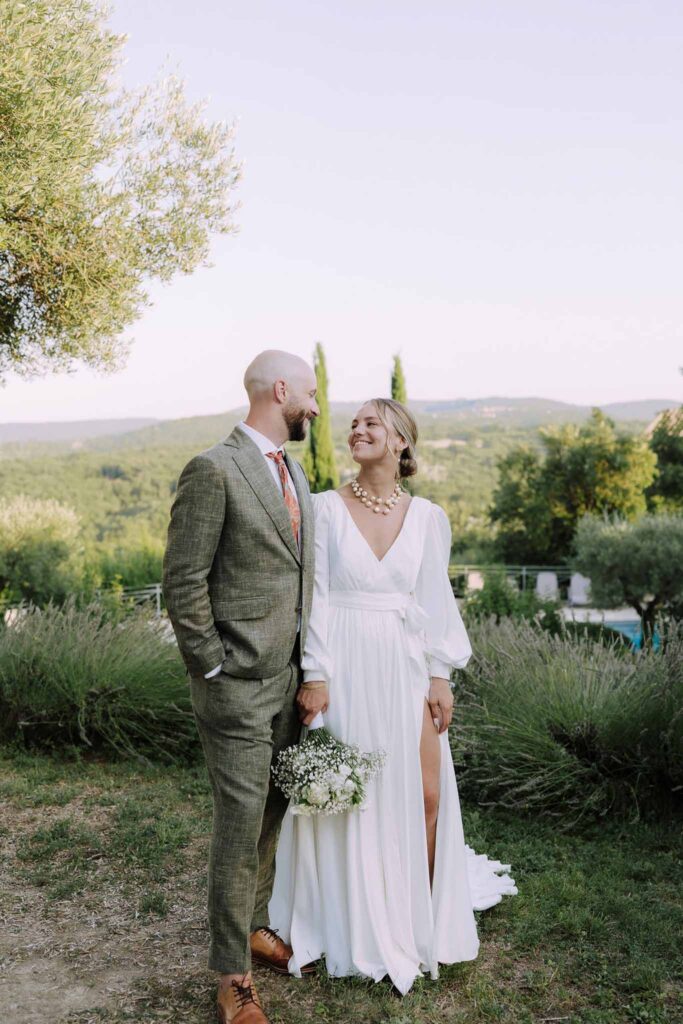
448 645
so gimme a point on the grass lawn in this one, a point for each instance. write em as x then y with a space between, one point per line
102 912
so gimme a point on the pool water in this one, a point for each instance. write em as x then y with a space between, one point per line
634 632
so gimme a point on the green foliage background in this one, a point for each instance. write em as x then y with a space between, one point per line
123 494
591 469
666 442
122 487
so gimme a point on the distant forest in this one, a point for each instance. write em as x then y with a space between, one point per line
122 486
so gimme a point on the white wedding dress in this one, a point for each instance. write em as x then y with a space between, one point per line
355 887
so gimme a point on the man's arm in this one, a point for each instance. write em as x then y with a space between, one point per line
197 520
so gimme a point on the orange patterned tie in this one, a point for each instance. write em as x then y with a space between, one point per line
288 494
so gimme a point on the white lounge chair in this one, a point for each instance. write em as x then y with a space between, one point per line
475 581
546 586
579 589
13 616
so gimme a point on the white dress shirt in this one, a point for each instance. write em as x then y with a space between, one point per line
264 445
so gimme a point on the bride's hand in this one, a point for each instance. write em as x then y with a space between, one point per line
312 698
441 703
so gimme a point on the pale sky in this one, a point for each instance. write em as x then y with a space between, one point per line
491 188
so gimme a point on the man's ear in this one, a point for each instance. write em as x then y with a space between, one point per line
280 391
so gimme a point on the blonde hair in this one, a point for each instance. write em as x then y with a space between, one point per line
397 418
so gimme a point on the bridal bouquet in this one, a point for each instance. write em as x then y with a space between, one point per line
321 775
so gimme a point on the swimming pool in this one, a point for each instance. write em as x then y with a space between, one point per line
634 632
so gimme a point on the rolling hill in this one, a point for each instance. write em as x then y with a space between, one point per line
437 419
77 430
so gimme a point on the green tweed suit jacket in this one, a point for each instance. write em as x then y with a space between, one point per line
235 582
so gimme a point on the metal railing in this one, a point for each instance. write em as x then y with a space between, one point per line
141 595
524 576
527 573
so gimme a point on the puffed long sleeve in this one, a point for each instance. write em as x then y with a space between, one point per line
448 645
316 662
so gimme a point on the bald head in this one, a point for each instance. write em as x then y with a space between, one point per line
281 389
272 366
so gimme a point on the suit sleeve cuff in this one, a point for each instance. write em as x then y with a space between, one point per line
210 654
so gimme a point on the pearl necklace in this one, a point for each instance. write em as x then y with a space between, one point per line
373 501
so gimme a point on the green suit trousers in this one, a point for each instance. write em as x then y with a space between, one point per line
243 725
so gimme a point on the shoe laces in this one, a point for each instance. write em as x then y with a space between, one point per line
244 993
271 933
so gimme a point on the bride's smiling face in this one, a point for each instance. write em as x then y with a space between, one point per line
369 441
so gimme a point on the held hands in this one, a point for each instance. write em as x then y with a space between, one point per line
312 698
441 703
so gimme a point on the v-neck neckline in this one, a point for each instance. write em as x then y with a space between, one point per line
364 538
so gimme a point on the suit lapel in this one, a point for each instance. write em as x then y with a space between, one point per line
254 468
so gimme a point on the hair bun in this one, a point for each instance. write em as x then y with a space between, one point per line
407 465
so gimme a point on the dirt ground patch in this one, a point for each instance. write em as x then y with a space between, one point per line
94 950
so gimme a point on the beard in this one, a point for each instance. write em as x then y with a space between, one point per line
297 423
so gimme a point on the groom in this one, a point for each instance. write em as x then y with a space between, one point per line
238 581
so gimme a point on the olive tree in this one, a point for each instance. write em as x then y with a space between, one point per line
636 563
101 189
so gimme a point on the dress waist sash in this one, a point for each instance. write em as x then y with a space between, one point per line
412 614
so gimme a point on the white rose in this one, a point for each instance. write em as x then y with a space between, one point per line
336 782
317 794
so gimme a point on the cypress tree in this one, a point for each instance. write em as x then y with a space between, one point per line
320 463
398 382
399 393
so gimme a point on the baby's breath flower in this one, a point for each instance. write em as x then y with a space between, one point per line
321 775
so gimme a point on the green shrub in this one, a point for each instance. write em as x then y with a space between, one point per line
563 726
40 557
501 598
130 565
75 676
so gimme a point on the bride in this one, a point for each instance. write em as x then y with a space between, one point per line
389 890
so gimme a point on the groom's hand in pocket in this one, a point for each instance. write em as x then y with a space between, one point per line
311 698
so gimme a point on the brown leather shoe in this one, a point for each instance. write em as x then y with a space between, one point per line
240 1004
269 950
